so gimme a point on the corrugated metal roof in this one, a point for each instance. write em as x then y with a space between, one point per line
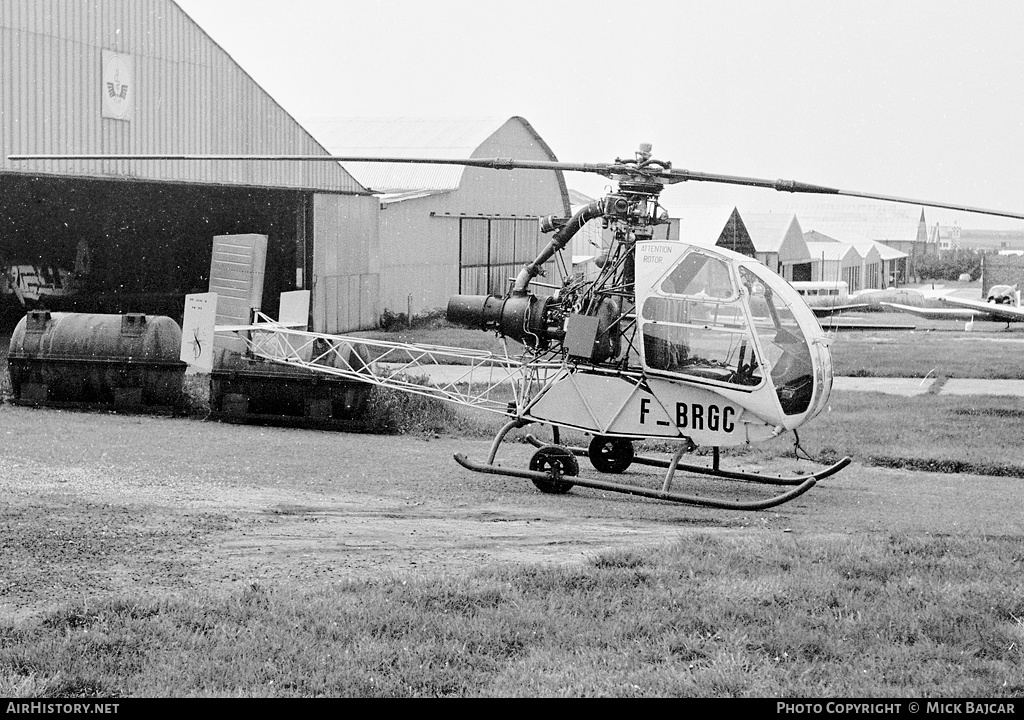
397 197
184 93
406 137
768 230
863 245
888 253
874 221
578 199
831 251
703 225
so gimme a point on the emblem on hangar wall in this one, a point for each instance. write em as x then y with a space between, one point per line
117 89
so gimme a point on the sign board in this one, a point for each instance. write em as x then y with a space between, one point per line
197 330
295 309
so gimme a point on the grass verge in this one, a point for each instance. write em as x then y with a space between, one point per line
920 354
973 434
744 616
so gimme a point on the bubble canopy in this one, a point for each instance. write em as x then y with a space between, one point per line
712 316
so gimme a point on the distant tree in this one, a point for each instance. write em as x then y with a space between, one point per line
950 264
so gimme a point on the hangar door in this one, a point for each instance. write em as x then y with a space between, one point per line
126 246
801 272
492 251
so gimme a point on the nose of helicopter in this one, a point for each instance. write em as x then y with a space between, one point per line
823 375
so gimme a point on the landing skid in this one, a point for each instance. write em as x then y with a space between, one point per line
554 469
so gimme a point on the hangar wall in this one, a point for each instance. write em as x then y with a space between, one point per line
346 263
182 94
438 245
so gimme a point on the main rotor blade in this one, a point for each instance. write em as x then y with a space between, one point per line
795 186
493 163
654 172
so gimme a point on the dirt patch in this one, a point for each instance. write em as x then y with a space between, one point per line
97 504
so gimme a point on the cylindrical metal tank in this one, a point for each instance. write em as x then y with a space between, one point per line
125 360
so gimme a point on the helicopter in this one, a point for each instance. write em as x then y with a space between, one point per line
680 341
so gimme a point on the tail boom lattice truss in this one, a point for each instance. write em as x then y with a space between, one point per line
472 378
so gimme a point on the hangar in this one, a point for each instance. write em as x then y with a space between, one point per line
448 229
902 228
123 76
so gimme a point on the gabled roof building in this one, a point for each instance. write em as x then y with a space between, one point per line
779 243
835 261
882 266
449 229
899 226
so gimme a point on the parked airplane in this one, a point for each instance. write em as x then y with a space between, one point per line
1003 304
827 297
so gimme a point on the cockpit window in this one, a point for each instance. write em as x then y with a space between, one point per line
698 275
783 342
698 326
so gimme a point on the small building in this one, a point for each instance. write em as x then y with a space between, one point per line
880 264
945 237
835 261
450 229
871 274
894 265
779 244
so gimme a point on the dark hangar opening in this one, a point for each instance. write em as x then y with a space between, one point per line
138 246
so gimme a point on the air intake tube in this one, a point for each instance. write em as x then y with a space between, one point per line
558 241
521 318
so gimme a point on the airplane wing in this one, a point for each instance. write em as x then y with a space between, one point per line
828 310
935 313
1009 313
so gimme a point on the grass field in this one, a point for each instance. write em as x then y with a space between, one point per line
937 353
714 616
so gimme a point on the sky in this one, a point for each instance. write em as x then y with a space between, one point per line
918 99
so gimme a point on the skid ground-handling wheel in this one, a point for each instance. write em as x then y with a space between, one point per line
560 461
610 454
